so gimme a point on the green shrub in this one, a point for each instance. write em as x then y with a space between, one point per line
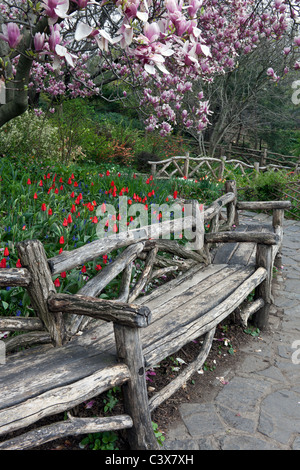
30 135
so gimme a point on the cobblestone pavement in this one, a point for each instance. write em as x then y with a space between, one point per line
259 407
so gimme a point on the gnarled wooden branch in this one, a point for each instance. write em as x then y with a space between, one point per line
123 313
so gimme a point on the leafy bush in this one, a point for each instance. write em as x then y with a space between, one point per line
30 135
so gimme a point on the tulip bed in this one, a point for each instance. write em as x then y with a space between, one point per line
58 206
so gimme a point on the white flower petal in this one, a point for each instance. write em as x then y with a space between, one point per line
142 15
162 68
83 30
150 69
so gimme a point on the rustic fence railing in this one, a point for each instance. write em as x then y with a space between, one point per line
190 167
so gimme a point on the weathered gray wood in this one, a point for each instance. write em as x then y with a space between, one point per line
185 375
94 287
27 339
145 275
125 283
173 247
33 257
263 205
264 258
103 309
163 272
129 351
251 308
249 237
61 398
12 277
69 260
232 213
157 348
278 217
217 205
70 427
21 324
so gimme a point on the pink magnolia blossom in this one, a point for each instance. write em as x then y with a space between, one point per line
56 8
11 34
39 41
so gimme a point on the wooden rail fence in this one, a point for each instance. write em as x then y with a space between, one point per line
189 167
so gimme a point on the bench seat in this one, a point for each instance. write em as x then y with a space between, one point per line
182 310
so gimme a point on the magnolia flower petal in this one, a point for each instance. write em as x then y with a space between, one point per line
150 69
83 30
162 68
105 35
205 50
142 15
62 9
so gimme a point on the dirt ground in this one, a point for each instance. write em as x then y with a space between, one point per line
224 355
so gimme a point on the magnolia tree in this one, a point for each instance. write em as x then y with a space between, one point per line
160 48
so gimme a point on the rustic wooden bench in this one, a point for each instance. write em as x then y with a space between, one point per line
80 345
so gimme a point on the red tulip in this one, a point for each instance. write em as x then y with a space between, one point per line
3 263
35 196
63 274
57 282
18 264
61 240
44 207
28 181
6 252
50 212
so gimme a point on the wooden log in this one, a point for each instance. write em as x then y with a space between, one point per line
125 284
186 165
217 205
264 259
129 350
267 238
69 260
103 309
70 427
13 277
183 265
173 247
278 217
21 324
33 257
185 375
145 275
163 272
232 213
95 285
251 308
263 205
61 398
27 339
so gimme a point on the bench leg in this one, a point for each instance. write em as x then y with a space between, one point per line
263 291
141 435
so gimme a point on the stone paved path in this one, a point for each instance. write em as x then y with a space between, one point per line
259 407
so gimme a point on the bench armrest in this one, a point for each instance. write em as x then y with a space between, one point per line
265 238
263 205
134 316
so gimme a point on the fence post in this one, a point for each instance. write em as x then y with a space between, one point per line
186 165
222 167
256 168
232 213
263 158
